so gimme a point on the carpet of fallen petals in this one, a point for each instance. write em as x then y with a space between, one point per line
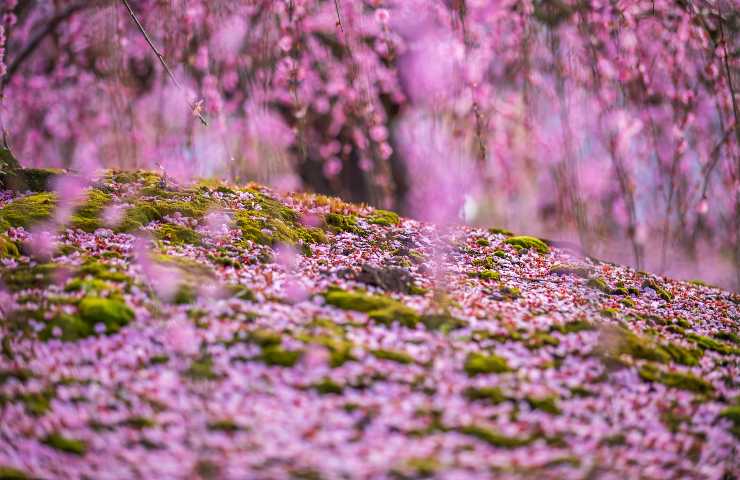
518 361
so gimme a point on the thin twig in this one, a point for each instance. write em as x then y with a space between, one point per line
193 105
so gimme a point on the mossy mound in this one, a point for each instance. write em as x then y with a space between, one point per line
384 217
480 363
111 312
339 223
494 438
527 242
31 179
87 217
177 234
379 308
27 211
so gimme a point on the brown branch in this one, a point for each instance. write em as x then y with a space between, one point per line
193 105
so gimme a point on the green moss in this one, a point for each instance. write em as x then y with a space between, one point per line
500 231
201 369
28 210
65 444
139 423
732 413
11 473
573 327
567 269
393 356
546 404
609 312
37 403
628 302
728 337
492 395
488 275
224 425
102 271
29 276
87 217
662 292
343 223
276 224
500 254
682 355
708 343
541 339
379 308
8 248
177 234
160 203
616 341
494 438
72 328
443 321
277 356
528 242
111 312
509 293
599 284
482 242
683 381
480 363
327 386
422 467
487 262
384 217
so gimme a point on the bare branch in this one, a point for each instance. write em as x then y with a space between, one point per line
195 106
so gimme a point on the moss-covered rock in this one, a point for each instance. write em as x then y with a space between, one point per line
487 274
480 363
31 276
27 211
527 242
30 179
708 343
379 308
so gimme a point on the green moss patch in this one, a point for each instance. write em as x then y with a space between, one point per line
31 276
273 222
201 369
492 395
177 234
8 248
11 473
662 292
494 438
683 381
279 357
732 414
384 217
87 217
708 343
27 211
480 363
327 386
68 445
527 242
379 308
393 356
339 223
111 312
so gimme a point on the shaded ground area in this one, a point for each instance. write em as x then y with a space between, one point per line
217 331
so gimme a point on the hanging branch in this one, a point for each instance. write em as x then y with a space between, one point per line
196 107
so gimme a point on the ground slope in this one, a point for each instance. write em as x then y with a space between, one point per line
217 331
